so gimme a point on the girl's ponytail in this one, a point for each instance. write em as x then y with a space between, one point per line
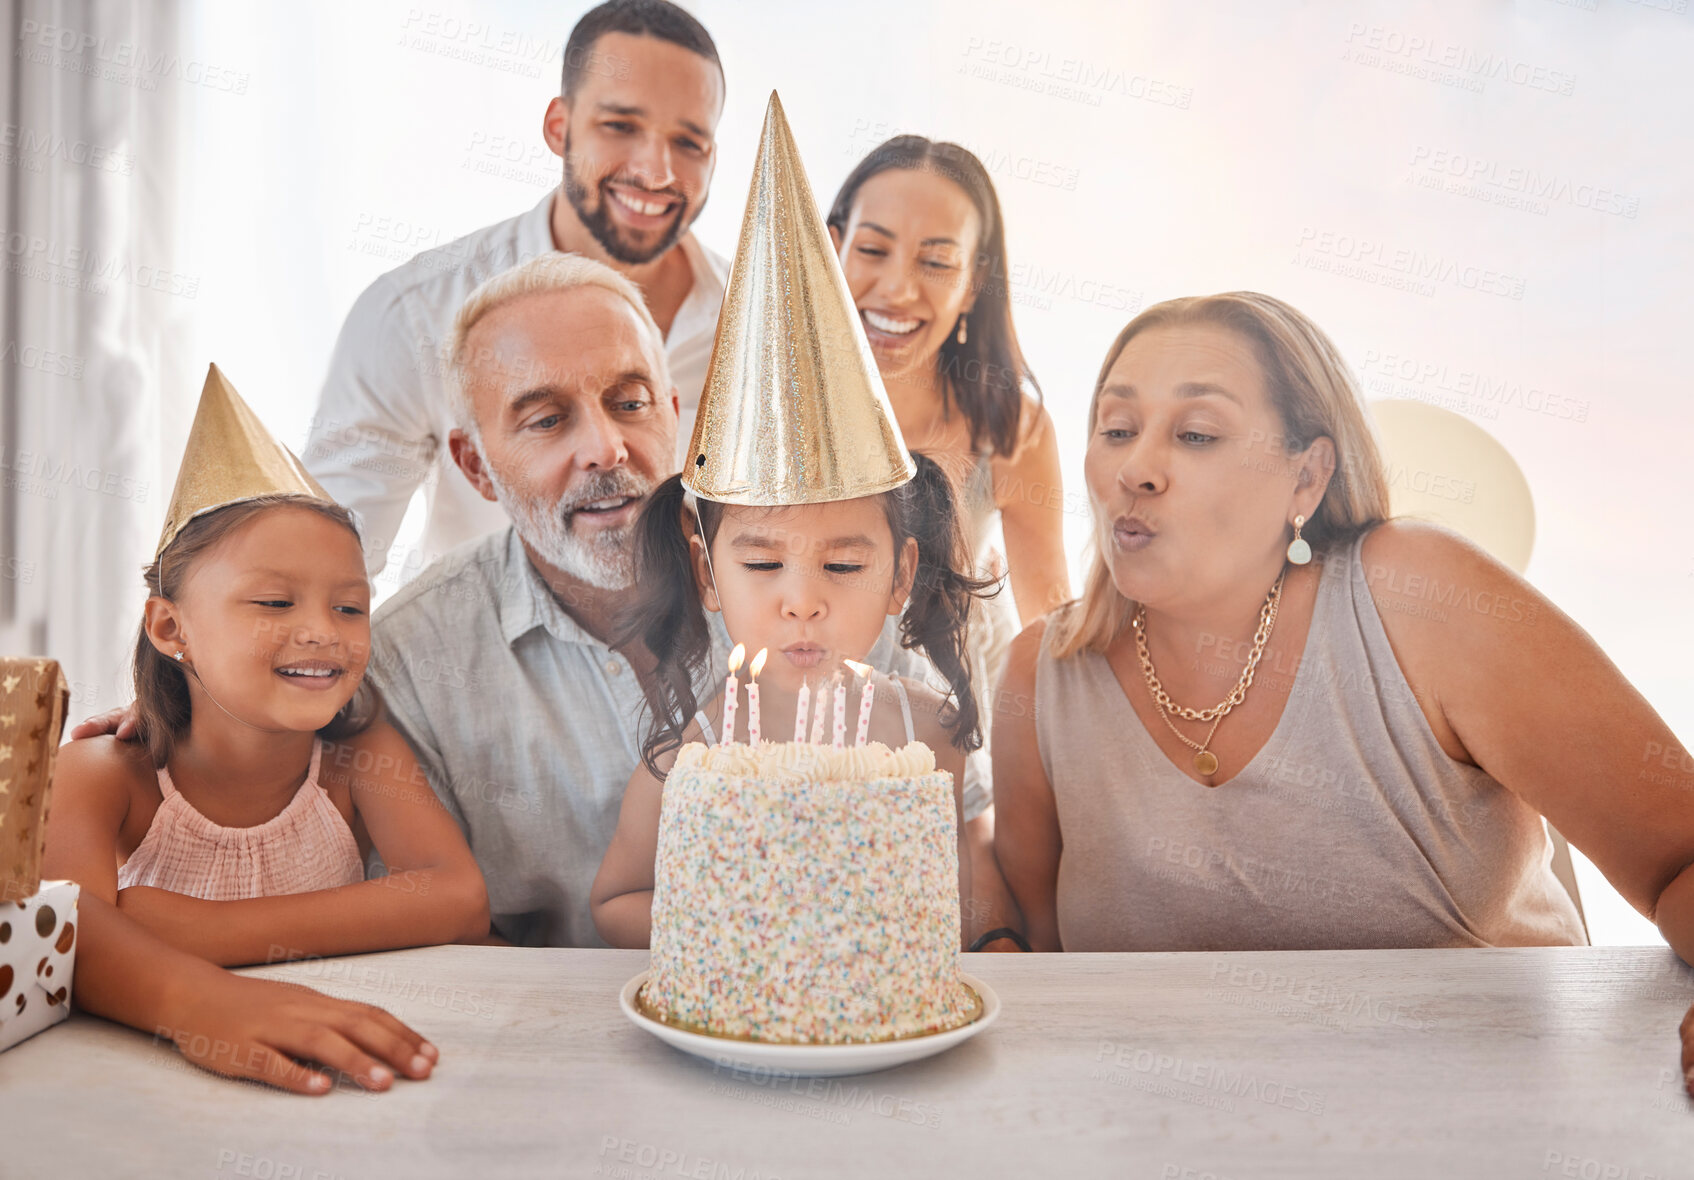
664 615
937 616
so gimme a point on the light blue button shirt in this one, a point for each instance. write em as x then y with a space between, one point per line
528 727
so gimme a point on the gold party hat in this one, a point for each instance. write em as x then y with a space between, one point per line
230 457
793 411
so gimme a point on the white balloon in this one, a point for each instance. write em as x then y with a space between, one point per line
1444 468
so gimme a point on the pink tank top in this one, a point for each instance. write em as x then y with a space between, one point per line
305 847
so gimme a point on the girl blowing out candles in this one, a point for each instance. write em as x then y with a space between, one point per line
812 583
810 525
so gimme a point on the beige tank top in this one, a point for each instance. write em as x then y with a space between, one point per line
993 620
1351 827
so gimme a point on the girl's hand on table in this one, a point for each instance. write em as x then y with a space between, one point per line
256 1028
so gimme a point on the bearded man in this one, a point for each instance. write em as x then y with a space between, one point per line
634 124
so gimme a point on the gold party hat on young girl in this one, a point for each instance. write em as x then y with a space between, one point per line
230 457
793 411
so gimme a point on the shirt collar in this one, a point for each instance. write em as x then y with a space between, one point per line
700 307
535 229
527 602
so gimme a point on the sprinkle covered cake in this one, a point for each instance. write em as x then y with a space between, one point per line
807 894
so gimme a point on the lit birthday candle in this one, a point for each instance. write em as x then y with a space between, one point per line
820 706
731 690
840 711
865 699
800 711
753 670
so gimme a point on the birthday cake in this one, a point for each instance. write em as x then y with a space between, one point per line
807 894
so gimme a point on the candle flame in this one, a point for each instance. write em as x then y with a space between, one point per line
758 664
859 669
735 658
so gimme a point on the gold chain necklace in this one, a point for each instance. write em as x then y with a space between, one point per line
1205 761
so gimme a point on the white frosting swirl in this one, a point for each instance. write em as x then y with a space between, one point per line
802 760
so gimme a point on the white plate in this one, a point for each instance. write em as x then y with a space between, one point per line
820 1061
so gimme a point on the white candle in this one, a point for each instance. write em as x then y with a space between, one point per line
866 699
820 706
800 707
840 711
753 669
731 688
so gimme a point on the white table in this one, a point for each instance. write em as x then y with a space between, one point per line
1359 1064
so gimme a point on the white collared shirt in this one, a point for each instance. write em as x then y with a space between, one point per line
385 412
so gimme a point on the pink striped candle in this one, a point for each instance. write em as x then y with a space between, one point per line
820 707
800 714
840 711
866 699
753 670
731 690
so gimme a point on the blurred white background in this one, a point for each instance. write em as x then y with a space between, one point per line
1489 206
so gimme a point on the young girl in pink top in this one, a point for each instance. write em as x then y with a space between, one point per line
237 832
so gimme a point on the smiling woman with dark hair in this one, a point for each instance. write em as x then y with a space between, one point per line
918 229
923 245
1276 719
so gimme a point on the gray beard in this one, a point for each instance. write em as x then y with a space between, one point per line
607 561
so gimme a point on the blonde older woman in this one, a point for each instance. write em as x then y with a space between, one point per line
1276 719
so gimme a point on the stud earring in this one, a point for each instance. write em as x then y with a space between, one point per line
963 335
1299 551
179 657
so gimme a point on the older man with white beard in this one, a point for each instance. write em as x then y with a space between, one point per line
498 662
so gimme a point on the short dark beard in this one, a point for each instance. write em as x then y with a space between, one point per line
599 220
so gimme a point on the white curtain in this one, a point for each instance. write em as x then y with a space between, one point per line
94 302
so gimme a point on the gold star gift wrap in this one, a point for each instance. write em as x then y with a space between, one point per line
37 920
33 699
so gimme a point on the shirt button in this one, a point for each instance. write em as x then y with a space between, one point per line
614 668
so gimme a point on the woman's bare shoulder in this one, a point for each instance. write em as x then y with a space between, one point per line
1036 439
1420 547
1435 588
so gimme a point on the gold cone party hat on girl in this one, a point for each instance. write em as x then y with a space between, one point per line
793 411
230 457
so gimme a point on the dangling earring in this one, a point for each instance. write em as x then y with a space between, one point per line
962 333
1299 552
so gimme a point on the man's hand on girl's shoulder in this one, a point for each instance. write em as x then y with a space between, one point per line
120 723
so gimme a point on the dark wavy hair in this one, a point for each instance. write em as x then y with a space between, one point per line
987 374
163 707
664 611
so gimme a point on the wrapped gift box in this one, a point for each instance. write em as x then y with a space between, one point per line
33 699
37 956
37 923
